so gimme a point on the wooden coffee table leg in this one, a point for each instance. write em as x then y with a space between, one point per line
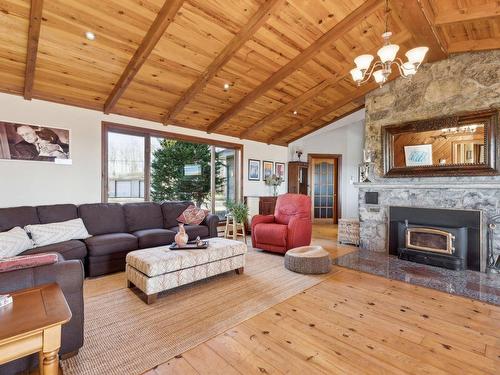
49 356
240 270
151 298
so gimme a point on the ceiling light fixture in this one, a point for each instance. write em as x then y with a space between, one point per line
295 113
89 35
227 86
387 54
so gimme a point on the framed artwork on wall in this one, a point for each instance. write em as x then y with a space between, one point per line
35 143
267 169
279 169
253 170
418 155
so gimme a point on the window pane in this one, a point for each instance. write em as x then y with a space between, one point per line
180 171
225 189
125 167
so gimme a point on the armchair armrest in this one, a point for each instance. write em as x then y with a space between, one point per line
299 232
211 221
68 274
259 219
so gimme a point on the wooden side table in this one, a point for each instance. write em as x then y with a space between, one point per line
32 324
234 229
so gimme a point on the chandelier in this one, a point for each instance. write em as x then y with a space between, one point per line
387 54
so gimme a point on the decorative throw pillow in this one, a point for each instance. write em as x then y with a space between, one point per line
192 215
27 261
14 242
47 234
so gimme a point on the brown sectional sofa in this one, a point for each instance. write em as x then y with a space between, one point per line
116 230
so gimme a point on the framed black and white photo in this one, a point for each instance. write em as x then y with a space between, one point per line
267 169
253 170
35 143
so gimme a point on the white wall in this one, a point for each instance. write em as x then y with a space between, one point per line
34 183
345 137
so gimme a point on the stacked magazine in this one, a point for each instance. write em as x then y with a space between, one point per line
5 300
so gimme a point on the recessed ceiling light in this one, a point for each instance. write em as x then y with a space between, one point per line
90 35
227 86
295 113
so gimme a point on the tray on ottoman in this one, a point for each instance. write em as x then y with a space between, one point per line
158 269
191 245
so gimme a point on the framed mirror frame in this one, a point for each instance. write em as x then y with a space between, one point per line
490 167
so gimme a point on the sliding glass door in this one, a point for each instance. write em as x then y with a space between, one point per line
157 166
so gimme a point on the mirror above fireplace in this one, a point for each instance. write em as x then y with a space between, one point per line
462 145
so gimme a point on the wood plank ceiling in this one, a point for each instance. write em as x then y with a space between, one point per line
167 61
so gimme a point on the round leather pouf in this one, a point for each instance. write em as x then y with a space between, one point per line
308 260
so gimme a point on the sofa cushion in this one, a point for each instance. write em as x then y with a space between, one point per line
154 237
171 211
103 218
14 242
56 213
17 217
73 249
272 234
104 244
139 216
194 231
193 215
48 234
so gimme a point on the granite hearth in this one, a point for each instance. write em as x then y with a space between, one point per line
481 286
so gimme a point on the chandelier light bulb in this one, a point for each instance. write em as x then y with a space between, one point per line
388 53
363 62
416 55
408 69
357 75
379 76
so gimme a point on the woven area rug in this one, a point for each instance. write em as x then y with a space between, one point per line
123 335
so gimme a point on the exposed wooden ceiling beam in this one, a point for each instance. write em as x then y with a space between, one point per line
477 12
336 118
162 21
316 90
255 23
474 45
416 16
355 95
329 37
289 107
33 37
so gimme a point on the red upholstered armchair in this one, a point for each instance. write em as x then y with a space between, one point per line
289 227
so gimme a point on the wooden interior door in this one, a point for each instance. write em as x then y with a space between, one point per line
324 170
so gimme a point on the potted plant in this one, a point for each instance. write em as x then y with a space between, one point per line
239 211
274 181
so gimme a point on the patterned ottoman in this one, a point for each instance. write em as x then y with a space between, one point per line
158 269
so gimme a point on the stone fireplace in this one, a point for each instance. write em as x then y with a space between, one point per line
463 82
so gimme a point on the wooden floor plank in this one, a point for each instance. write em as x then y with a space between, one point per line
355 323
197 358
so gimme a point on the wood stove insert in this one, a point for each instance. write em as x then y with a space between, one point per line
446 238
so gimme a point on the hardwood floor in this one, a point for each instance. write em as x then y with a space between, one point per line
354 323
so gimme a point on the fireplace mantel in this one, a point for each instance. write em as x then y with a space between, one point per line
429 185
